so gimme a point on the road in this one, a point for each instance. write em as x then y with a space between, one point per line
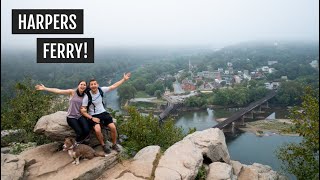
177 88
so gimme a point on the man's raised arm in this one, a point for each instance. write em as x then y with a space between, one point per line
117 84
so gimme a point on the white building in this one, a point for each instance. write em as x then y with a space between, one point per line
272 70
237 79
265 68
272 85
272 62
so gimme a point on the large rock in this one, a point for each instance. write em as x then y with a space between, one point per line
140 167
12 167
55 127
258 171
50 163
220 171
183 159
248 173
143 161
237 167
180 161
212 144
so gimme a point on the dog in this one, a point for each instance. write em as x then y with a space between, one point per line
79 150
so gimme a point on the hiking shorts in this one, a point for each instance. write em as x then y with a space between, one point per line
105 119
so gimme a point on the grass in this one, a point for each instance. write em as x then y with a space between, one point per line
271 125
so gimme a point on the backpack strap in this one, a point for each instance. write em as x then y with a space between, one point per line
90 99
101 93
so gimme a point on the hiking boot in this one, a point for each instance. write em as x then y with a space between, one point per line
116 148
106 149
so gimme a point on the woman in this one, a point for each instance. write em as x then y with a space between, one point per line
75 120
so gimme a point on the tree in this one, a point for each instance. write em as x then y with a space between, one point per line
158 94
24 110
140 84
126 92
289 93
302 159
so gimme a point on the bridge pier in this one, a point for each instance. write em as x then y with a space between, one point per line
258 111
265 105
249 117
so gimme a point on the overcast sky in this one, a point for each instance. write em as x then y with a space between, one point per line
173 22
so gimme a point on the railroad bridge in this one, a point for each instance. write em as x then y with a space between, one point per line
238 118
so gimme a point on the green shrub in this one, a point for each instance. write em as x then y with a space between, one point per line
23 111
302 159
17 148
143 131
202 174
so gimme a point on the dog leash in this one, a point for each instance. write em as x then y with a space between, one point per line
80 142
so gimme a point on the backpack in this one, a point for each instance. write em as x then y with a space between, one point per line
87 91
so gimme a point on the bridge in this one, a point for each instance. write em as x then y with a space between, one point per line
237 119
173 104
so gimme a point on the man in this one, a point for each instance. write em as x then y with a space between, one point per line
97 114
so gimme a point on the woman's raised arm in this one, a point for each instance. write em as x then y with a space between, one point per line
41 87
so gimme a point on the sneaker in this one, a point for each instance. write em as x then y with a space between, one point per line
106 149
116 148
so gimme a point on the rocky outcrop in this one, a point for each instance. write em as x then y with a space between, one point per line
55 127
212 144
255 171
181 161
220 171
140 167
12 167
50 163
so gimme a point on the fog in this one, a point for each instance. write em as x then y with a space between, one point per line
215 23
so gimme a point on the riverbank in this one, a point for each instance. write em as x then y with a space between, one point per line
260 127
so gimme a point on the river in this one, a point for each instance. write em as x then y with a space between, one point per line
244 147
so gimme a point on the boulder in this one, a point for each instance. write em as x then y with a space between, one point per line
12 167
236 166
248 173
140 167
49 162
56 128
211 142
265 172
143 161
220 171
180 161
258 171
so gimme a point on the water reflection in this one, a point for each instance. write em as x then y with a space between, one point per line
201 120
249 148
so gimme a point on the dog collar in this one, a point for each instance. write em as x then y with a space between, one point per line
73 146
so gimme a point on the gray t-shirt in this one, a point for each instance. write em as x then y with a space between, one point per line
96 100
75 103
